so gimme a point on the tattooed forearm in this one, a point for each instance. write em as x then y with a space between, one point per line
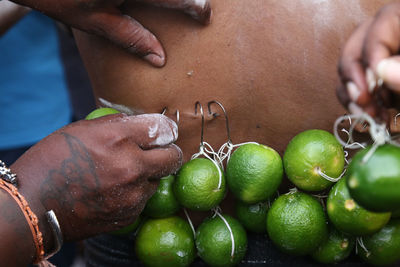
75 180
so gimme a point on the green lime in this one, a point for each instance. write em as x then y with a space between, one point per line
349 217
214 241
383 247
165 242
375 184
296 223
337 248
254 172
198 185
310 153
163 203
252 216
100 112
129 228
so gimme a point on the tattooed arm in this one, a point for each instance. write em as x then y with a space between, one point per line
96 175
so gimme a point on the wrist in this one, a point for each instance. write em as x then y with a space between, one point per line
29 191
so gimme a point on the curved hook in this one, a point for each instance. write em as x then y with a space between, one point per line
202 120
228 132
177 114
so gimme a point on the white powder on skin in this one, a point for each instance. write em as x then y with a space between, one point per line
161 129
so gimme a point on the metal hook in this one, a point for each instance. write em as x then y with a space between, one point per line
177 114
202 120
226 117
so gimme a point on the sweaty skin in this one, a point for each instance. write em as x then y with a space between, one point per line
271 64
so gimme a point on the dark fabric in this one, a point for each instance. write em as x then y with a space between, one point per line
116 251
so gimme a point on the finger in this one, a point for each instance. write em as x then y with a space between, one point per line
198 9
129 34
161 162
383 36
351 70
148 130
388 70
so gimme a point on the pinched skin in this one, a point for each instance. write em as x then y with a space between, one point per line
272 64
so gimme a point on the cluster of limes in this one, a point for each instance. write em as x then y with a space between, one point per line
298 223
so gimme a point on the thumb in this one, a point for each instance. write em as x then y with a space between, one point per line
389 71
126 32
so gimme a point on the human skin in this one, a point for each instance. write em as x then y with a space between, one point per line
95 175
104 18
10 13
271 64
369 54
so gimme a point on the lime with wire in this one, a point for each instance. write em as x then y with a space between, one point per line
254 173
165 242
199 184
374 179
100 112
163 202
310 156
296 223
383 247
221 241
349 217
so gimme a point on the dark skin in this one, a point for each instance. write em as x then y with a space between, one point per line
372 48
104 18
95 175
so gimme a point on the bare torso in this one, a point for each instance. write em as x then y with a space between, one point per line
272 64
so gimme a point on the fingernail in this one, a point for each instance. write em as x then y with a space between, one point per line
388 69
371 80
155 60
355 109
353 91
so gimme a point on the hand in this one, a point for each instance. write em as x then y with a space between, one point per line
371 54
97 175
104 18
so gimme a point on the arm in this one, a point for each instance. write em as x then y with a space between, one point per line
95 175
10 13
104 18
